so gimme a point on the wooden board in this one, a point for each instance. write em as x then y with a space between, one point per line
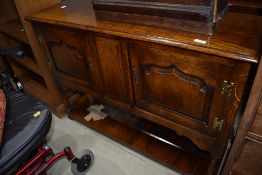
25 8
233 38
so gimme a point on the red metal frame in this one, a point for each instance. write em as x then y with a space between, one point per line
36 167
43 160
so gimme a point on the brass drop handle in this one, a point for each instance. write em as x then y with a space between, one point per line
134 76
227 88
218 125
90 65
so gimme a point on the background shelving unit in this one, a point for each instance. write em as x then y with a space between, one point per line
15 30
32 69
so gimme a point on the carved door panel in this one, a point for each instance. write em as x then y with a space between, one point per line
171 88
70 58
180 86
67 59
115 71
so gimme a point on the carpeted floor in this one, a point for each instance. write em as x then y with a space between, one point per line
111 158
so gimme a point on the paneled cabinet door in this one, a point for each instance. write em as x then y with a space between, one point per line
69 57
180 86
115 71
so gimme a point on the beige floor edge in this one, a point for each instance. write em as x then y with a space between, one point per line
111 158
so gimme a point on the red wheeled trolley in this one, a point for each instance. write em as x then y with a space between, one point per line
45 158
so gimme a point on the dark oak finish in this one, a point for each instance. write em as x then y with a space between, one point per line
114 67
162 75
168 81
70 53
67 49
245 155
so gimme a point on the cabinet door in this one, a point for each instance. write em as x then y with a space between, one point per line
115 71
70 58
180 86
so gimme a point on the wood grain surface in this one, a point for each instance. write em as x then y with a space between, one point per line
237 37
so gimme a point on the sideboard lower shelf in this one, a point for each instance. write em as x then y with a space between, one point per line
150 139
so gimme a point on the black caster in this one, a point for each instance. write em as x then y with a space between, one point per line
80 166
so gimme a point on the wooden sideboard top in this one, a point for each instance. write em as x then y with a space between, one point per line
237 37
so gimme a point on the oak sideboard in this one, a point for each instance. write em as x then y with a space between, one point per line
189 83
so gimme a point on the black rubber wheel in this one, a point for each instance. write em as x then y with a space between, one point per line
87 156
